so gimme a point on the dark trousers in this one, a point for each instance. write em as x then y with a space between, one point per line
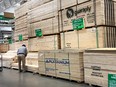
21 58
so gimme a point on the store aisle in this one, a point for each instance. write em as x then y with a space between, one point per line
11 78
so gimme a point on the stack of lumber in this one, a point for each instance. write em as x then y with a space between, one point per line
4 48
32 62
12 46
85 11
98 64
9 58
48 26
42 12
105 21
21 10
84 39
21 24
33 4
67 64
21 28
44 43
67 3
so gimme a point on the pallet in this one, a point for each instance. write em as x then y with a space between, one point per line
62 64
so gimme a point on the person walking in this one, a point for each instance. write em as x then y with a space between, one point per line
22 53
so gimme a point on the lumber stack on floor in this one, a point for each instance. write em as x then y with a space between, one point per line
66 64
9 58
4 48
44 43
98 63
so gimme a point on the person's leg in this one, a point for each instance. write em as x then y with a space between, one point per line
19 63
23 64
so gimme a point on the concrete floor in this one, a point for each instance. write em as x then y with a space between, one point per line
11 78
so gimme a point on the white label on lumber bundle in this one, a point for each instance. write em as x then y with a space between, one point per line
83 39
48 26
37 44
43 12
85 11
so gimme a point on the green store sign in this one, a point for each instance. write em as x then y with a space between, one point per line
38 32
111 80
20 37
78 24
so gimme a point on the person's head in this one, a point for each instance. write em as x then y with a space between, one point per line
24 45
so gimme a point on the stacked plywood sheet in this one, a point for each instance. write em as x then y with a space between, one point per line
83 39
44 43
12 46
4 47
21 10
87 11
62 4
21 28
32 62
20 43
66 64
42 12
48 26
34 4
98 63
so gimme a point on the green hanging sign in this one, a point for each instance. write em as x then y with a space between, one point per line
10 41
78 24
38 32
111 80
20 37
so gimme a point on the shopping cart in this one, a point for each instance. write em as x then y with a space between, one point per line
1 63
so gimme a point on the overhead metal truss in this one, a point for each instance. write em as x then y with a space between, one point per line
5 4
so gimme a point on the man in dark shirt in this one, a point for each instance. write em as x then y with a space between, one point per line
22 53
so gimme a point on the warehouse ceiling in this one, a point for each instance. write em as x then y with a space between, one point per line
5 4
